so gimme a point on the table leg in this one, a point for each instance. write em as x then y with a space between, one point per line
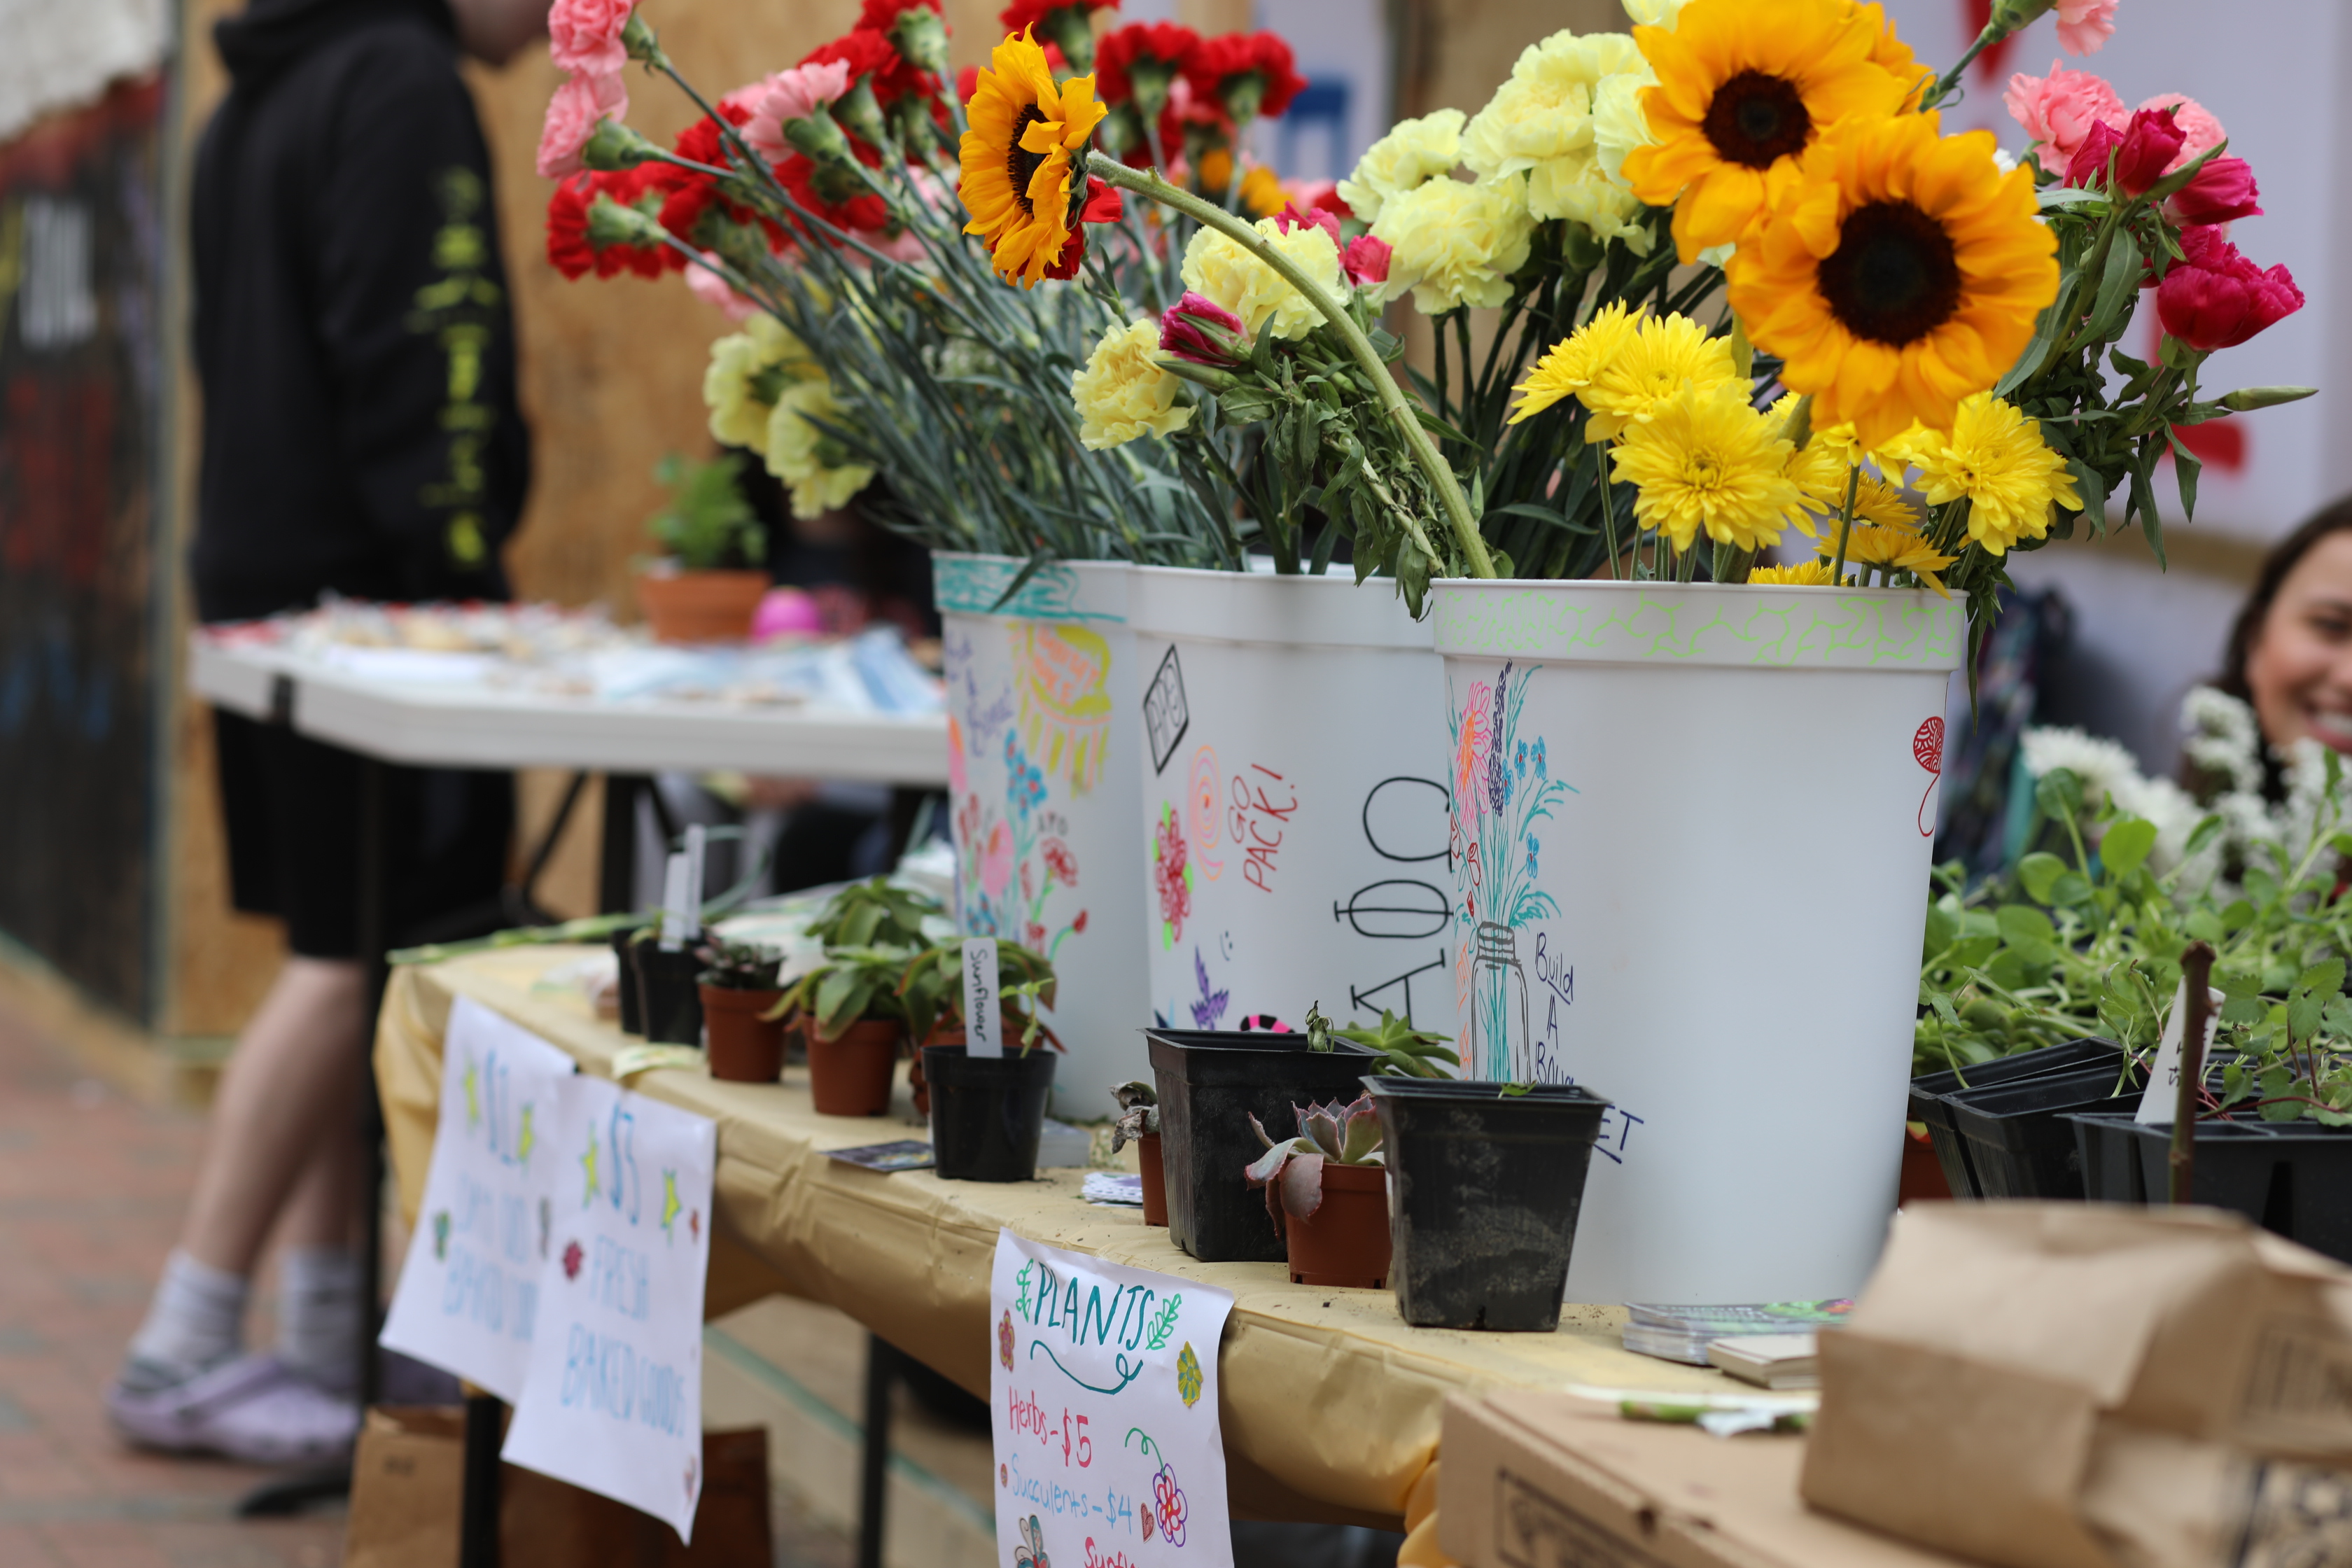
616 873
881 1373
477 1538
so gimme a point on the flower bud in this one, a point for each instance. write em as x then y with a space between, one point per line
610 223
819 137
1198 328
641 43
858 110
2246 399
615 146
920 35
2009 16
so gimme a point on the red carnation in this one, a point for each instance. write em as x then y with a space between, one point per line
2223 192
1067 23
1154 52
567 226
690 195
1103 205
570 246
864 212
881 16
2216 299
1250 73
2139 153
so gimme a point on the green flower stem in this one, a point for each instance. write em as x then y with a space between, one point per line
1608 507
1949 82
1148 182
1846 524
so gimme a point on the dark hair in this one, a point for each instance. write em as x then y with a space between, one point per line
2283 558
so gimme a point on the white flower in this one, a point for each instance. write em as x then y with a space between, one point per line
1411 156
2100 764
2222 738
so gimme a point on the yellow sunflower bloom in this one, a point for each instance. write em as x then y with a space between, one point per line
1262 194
1706 460
1811 575
1899 271
1569 366
1894 550
1024 164
1996 460
1663 356
1742 89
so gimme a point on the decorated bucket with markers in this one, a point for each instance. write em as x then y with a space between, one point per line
1043 776
1292 753
1691 834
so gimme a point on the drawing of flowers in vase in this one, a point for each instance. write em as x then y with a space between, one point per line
1503 788
1011 836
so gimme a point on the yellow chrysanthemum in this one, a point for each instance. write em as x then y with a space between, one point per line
1217 268
1411 156
747 370
1811 575
1024 159
1996 460
1570 365
1706 460
1883 505
1818 468
1665 354
1540 124
808 458
1896 550
1742 89
1262 194
1123 392
1899 273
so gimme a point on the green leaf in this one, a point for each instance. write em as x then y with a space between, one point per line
2059 794
2203 924
2203 834
2185 470
2237 916
2243 1010
2023 924
2118 286
2039 873
1943 930
2069 889
2325 977
2126 847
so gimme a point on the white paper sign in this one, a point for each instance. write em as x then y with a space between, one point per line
983 1027
2161 1099
467 1291
1103 1388
613 1399
674 930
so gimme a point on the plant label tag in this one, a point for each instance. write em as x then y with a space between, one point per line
1102 1390
696 848
468 1290
2162 1097
983 1023
673 917
613 1397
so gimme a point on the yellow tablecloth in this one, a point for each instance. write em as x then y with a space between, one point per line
1331 1402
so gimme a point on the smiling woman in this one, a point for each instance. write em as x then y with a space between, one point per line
2290 653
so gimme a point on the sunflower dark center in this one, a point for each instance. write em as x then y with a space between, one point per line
1020 162
1894 277
1755 118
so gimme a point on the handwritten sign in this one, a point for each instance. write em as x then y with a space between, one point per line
2160 1102
1103 1387
984 1029
468 1292
612 1400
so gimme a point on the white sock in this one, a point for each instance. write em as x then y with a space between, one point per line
196 1318
319 1314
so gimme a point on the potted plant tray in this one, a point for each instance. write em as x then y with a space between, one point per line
1209 1083
2018 1145
1929 1106
1483 1191
2293 1178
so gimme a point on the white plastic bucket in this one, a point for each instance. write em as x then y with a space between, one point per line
1692 841
1293 840
1042 795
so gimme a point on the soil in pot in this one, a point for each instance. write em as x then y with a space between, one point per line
1345 1241
1155 1179
850 1075
2292 1178
1209 1083
625 986
1486 1192
669 1000
1929 1090
744 1047
701 607
987 1112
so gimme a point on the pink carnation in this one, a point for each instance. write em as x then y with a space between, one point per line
2086 26
2059 109
791 95
573 115
585 34
2198 129
711 288
2214 298
1365 261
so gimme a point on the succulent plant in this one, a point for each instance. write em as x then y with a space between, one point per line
1139 1105
739 965
1339 1134
1405 1051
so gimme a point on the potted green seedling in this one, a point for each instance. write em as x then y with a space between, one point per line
987 1113
1139 1124
849 1008
1327 1193
739 989
707 582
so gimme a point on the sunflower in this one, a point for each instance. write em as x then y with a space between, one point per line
1892 550
1023 170
1743 89
1898 272
1705 459
1995 460
1569 366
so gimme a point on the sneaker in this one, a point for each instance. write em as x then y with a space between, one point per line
250 1408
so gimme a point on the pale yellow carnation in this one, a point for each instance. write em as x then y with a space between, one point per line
809 459
1410 156
1655 13
746 368
1540 124
1125 393
1455 244
1218 269
1619 123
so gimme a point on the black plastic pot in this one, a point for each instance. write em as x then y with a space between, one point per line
1211 1083
669 1000
2020 1146
1929 1090
987 1112
2290 1177
632 1017
1484 1192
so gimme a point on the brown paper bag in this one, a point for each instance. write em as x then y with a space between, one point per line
409 1485
2083 1385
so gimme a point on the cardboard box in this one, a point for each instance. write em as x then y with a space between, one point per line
1548 1480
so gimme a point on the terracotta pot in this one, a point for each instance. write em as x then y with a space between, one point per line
1155 1184
850 1076
744 1048
1346 1241
701 607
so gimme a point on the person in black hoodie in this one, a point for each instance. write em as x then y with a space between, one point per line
360 438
